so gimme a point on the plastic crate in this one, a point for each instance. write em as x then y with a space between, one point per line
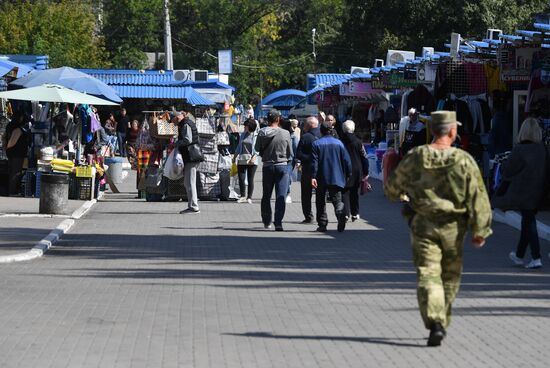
85 188
84 171
38 176
27 183
73 187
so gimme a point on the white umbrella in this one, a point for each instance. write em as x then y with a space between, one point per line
54 93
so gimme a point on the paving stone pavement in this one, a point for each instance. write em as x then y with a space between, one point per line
135 284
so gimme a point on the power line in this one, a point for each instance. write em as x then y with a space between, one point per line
298 59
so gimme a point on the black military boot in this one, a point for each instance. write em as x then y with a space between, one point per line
437 333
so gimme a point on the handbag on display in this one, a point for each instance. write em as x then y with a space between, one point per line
162 127
222 139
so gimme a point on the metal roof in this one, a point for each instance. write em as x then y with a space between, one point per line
39 62
284 98
163 92
131 77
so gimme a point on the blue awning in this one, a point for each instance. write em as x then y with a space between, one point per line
6 66
163 92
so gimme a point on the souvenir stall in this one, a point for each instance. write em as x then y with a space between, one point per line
157 143
53 133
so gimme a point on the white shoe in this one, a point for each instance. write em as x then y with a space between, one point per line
535 263
249 200
288 199
355 218
241 200
517 261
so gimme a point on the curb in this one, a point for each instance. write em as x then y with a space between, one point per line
45 244
42 246
513 219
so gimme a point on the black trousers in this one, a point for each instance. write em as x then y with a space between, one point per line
351 200
306 192
247 171
335 195
15 171
529 235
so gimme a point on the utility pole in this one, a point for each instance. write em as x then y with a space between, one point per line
168 57
314 53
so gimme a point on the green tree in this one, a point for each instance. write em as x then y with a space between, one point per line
64 30
131 28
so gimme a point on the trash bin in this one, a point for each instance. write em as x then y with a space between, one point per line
54 194
115 169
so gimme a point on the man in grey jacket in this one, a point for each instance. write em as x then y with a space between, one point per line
274 146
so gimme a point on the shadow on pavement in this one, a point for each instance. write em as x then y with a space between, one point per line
369 340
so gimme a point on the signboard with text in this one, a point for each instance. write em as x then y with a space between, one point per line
225 61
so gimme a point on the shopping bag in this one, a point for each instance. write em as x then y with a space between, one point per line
173 168
224 162
233 171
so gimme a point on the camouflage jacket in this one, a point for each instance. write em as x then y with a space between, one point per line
442 185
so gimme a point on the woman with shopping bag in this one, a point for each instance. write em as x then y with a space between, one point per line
246 160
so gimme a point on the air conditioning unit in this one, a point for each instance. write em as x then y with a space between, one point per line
378 63
455 44
359 70
199 75
182 75
426 51
493 34
398 56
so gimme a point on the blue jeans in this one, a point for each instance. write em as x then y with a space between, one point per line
121 137
274 176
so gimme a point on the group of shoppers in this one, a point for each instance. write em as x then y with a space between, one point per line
333 164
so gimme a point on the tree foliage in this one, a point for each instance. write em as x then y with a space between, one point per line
64 30
271 40
131 28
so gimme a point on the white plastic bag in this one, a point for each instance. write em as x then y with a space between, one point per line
173 167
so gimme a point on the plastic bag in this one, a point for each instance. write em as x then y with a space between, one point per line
233 171
173 168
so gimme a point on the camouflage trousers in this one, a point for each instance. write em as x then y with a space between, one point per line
437 252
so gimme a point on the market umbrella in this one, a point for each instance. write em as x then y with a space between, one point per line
70 78
54 93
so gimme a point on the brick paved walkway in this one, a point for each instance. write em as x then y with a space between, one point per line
137 285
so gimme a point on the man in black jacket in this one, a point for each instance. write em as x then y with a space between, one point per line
303 154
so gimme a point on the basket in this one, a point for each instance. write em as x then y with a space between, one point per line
162 128
84 172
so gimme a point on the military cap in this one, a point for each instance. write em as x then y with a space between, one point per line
443 118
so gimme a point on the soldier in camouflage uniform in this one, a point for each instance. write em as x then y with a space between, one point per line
445 195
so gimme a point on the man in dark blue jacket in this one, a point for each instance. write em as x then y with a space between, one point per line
303 154
331 168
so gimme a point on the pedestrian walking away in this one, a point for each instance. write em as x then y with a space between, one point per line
359 169
445 195
303 154
294 140
246 158
274 146
331 169
188 144
524 179
122 127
